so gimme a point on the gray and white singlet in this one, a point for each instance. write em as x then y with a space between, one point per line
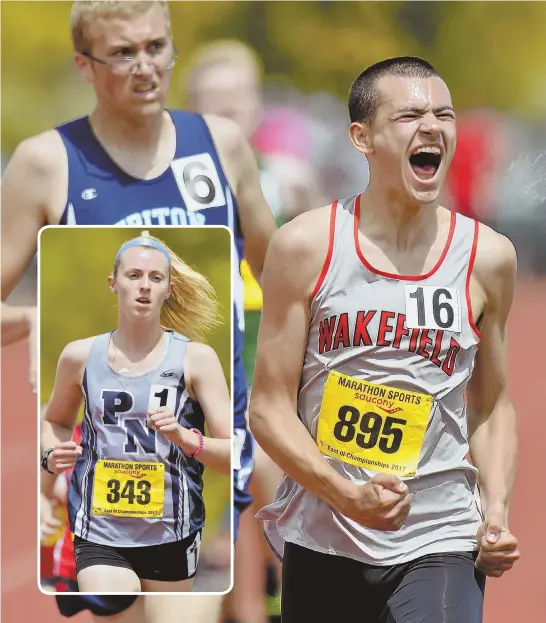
132 486
388 357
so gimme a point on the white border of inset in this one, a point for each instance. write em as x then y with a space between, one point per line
129 229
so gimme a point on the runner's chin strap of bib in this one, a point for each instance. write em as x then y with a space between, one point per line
142 241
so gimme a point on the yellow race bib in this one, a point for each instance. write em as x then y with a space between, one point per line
129 489
372 426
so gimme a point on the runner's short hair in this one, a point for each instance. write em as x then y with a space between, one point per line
364 95
84 11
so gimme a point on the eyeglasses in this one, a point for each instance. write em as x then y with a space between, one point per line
128 65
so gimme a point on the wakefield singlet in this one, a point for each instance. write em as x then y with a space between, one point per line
387 361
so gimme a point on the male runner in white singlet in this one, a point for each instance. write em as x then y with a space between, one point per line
381 365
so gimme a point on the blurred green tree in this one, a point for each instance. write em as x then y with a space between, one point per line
490 53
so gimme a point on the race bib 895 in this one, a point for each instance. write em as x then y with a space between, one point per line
372 426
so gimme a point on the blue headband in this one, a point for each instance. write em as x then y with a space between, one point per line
143 242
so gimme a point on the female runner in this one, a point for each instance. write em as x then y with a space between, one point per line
135 498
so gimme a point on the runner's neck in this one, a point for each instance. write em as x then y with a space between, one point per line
123 132
384 219
136 341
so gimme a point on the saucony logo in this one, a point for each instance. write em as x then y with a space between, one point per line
167 373
390 411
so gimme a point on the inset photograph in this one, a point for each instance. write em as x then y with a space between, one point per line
136 410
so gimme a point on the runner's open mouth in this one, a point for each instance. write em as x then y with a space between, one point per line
425 164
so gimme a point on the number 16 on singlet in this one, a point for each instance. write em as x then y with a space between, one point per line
433 307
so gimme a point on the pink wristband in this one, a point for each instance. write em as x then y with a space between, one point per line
201 439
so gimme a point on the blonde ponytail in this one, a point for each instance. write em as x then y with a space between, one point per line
191 308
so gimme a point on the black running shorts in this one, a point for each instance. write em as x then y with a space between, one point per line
323 588
168 562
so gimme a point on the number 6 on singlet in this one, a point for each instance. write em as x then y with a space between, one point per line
198 181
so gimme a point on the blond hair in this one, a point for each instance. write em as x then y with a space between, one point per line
222 52
191 308
84 11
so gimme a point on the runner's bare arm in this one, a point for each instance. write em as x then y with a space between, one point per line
30 192
16 323
289 272
492 418
257 222
206 384
62 409
47 481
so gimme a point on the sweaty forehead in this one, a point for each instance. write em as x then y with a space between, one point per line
143 258
400 92
127 30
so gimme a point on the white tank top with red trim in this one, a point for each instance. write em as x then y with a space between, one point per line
383 385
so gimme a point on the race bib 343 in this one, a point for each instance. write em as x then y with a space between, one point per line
129 489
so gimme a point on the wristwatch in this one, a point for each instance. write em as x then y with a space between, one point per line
43 461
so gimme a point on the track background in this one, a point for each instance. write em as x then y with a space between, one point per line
519 596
